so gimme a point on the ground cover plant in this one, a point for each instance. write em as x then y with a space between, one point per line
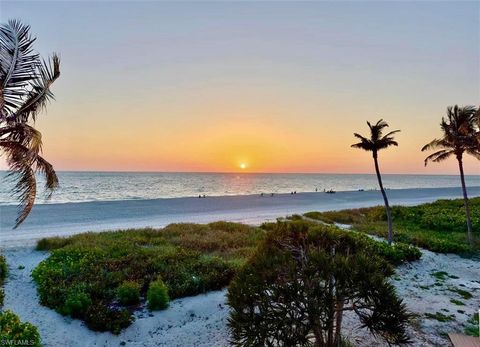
438 226
102 277
3 275
303 277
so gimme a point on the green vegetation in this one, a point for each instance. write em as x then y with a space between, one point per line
438 226
128 293
440 317
94 276
100 277
463 293
11 328
3 275
157 295
473 327
457 302
312 274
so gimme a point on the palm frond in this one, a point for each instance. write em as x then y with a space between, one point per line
443 154
40 94
18 62
23 164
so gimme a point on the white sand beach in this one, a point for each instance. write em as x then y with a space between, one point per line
71 218
202 320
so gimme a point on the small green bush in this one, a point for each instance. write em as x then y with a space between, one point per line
11 328
2 296
77 303
157 295
102 318
3 269
128 293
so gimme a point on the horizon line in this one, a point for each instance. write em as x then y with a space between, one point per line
255 172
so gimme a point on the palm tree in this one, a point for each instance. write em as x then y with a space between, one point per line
459 137
25 81
375 143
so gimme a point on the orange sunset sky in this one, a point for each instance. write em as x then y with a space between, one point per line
276 86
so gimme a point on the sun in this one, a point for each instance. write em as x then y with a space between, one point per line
243 166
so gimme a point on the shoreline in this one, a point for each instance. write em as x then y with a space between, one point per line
66 219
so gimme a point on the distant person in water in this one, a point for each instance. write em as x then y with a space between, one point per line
271 194
261 194
295 192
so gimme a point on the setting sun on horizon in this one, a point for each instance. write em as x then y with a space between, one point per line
278 88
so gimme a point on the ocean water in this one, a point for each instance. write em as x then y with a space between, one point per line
106 186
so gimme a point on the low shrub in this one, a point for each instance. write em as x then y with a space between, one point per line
77 303
157 295
93 276
102 318
128 293
11 328
2 296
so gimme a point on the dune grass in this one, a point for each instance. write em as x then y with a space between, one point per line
439 226
102 277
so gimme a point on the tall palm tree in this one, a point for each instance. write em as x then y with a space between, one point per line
376 142
25 81
458 138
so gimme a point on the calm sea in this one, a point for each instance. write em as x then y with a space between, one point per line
102 186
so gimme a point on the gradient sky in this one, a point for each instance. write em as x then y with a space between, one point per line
279 86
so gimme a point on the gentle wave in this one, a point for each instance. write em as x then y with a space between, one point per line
111 186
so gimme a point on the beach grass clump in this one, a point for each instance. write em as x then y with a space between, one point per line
465 294
438 226
97 277
473 326
12 329
457 302
440 317
128 293
157 295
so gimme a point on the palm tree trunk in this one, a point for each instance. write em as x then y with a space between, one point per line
465 201
385 200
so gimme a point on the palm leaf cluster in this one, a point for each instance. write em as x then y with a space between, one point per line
25 81
377 140
460 134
